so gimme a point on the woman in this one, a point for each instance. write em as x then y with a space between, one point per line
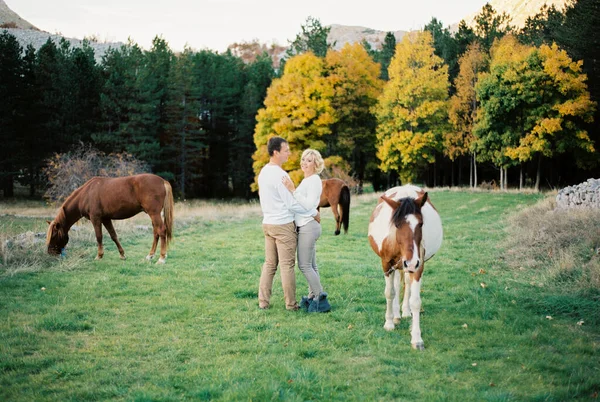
308 195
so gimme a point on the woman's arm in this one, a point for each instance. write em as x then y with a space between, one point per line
312 196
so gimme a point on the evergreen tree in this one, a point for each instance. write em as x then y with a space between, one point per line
445 46
464 37
259 76
542 27
489 26
313 38
185 137
580 37
10 94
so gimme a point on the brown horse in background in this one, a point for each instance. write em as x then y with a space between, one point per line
336 194
102 199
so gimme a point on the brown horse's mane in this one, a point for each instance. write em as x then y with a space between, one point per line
61 216
407 206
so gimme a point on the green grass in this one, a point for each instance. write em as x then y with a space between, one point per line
191 329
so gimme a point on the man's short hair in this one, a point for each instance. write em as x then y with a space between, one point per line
274 144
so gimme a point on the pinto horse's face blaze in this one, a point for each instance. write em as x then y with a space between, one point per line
410 233
408 220
56 238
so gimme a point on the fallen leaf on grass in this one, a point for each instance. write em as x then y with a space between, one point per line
483 285
492 384
465 326
474 364
482 271
580 322
350 326
549 317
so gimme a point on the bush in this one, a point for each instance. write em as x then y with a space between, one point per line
68 171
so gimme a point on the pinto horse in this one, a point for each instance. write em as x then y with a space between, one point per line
405 231
337 195
102 199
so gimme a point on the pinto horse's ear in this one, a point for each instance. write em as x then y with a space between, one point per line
48 222
392 203
421 200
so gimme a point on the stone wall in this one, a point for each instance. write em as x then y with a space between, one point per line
584 195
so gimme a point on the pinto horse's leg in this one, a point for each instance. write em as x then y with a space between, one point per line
396 304
113 235
389 296
405 304
415 308
97 223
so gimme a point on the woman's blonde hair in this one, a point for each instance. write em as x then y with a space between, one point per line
319 163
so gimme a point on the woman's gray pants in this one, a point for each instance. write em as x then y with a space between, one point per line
307 260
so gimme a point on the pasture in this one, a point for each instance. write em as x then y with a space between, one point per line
80 329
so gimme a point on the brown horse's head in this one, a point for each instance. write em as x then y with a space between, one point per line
408 220
57 235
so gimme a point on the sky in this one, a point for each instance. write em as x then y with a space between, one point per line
214 24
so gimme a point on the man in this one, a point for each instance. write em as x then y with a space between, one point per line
278 207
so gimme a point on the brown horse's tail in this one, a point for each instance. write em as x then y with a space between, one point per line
168 207
345 204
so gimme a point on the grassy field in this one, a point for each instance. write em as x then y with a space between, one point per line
79 329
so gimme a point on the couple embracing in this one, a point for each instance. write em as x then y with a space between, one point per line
291 222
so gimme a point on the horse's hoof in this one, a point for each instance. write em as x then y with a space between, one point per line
161 261
123 257
396 320
98 257
418 346
149 257
337 232
388 326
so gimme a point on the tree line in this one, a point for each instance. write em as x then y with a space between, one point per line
488 102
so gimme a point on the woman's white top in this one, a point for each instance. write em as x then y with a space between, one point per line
308 194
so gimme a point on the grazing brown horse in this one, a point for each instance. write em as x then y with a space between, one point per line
102 199
337 194
405 231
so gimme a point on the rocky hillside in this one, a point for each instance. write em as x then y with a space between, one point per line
342 34
27 34
10 19
519 10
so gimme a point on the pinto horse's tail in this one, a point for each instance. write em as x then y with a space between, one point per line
168 207
345 204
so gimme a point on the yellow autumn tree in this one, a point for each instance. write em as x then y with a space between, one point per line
354 77
298 108
565 105
534 103
463 108
412 111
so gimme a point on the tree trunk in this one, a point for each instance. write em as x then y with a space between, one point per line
521 177
501 178
475 170
182 151
538 174
8 186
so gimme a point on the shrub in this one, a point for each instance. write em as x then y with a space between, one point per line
561 246
68 171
